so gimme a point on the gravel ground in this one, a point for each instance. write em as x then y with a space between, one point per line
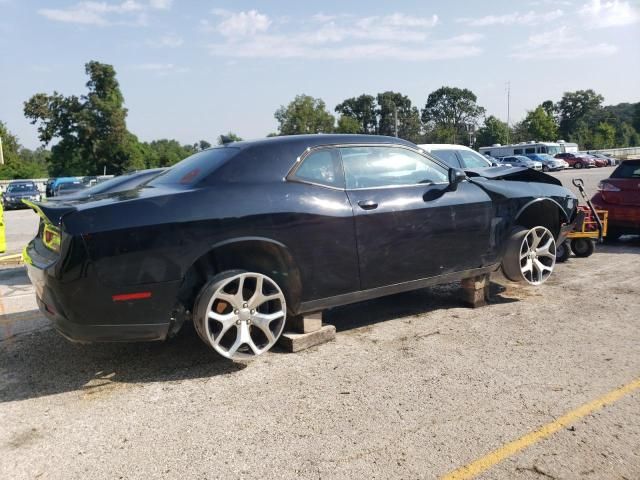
414 386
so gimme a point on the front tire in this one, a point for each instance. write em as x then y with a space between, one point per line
240 314
530 255
577 165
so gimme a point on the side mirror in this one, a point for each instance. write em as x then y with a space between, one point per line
456 176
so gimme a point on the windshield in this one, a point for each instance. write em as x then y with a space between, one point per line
21 187
553 150
196 167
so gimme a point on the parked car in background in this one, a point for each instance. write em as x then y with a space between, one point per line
59 181
522 161
549 163
121 183
577 160
67 188
599 162
606 159
17 191
456 156
236 238
620 196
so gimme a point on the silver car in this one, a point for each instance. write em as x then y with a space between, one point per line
522 161
549 163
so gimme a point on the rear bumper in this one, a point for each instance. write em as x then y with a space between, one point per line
89 333
82 310
621 217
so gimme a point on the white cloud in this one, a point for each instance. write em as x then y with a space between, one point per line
561 43
516 18
242 23
252 34
613 13
160 4
167 41
105 13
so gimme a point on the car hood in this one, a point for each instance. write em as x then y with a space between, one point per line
519 174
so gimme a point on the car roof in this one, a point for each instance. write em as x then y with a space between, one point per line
318 139
443 146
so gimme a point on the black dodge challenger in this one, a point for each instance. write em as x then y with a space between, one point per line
238 237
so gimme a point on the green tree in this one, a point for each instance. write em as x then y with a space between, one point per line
348 124
574 107
540 126
604 136
201 145
304 114
165 152
452 110
363 110
394 106
20 162
492 131
230 135
635 122
549 107
91 129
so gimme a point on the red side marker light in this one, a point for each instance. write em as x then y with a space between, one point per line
124 297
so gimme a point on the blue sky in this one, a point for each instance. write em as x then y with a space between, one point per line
191 70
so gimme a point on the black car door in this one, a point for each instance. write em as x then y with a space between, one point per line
409 223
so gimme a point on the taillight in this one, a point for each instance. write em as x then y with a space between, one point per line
607 187
51 238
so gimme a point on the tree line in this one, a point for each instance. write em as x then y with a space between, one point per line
452 115
89 135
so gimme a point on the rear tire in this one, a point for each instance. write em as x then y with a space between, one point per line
577 165
530 255
240 314
582 247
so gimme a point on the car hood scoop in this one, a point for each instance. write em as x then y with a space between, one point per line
517 174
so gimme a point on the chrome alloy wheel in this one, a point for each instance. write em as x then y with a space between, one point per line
244 315
537 255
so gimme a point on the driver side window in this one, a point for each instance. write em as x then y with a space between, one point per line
371 167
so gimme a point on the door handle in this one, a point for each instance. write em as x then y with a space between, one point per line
367 204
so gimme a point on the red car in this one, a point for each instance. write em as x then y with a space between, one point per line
600 162
577 160
620 196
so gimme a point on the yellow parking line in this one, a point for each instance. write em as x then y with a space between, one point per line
491 459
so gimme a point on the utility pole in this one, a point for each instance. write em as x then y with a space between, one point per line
1 154
395 118
508 112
